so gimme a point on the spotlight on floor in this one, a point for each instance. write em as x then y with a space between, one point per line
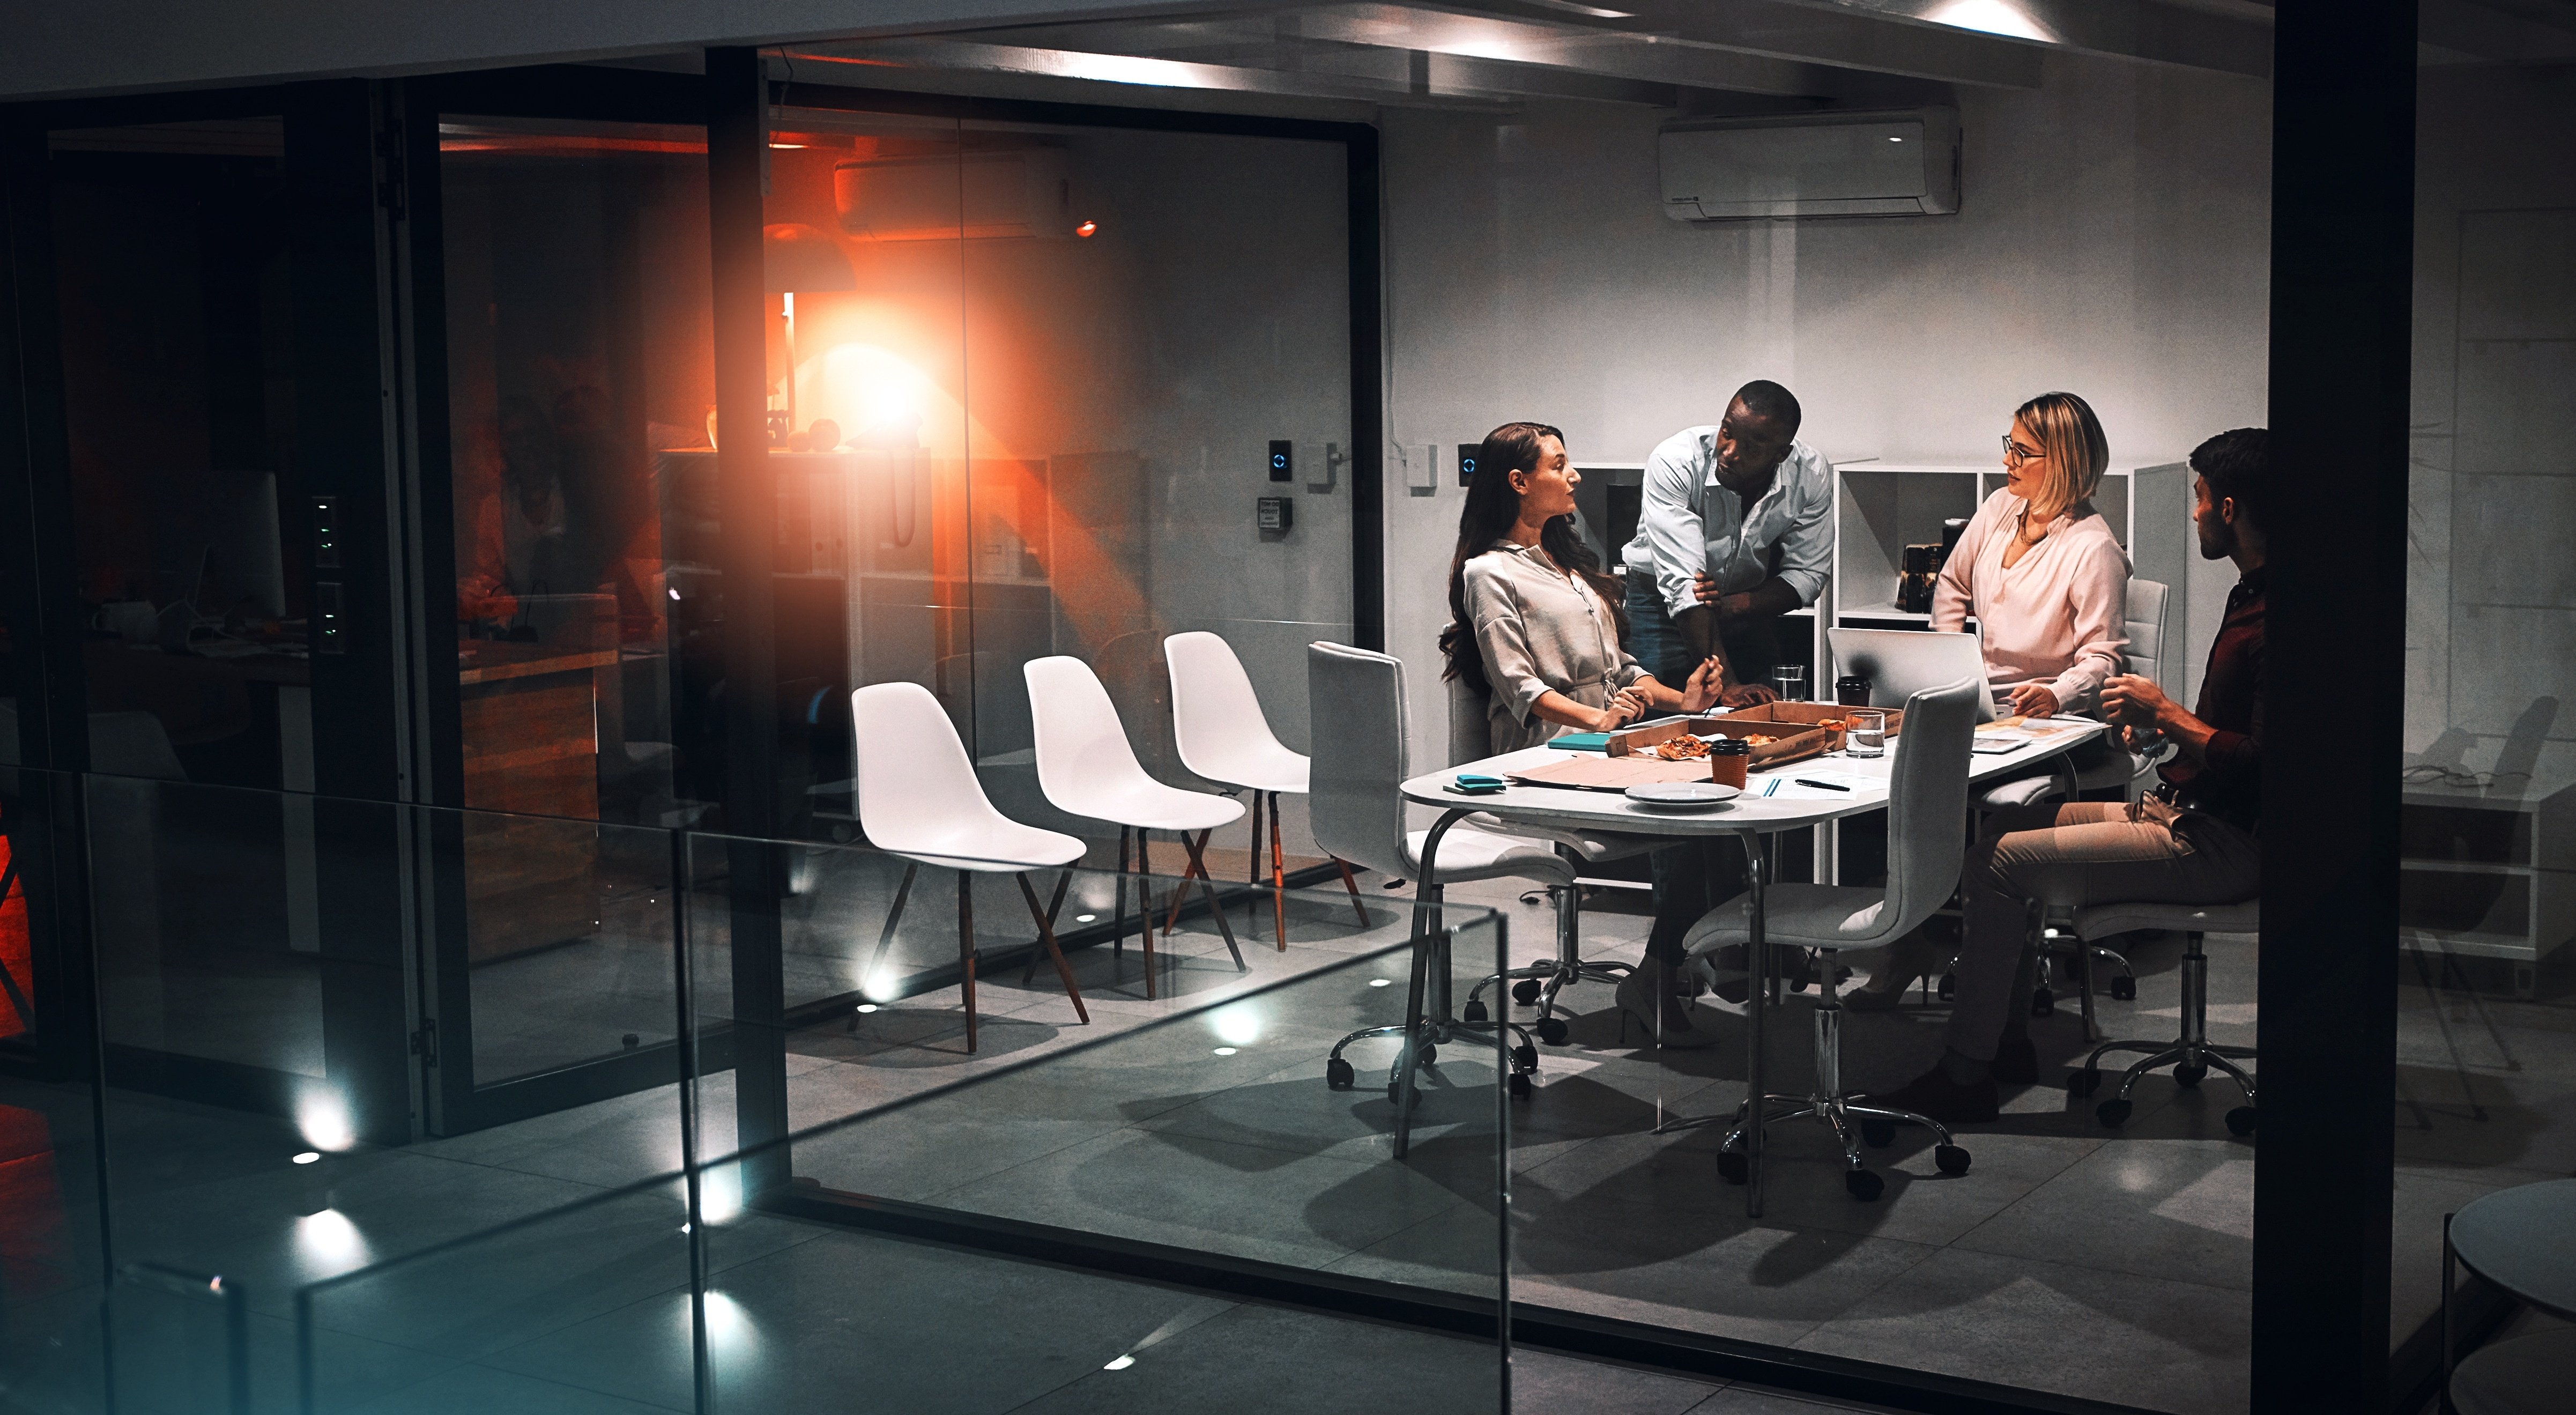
309 1157
1122 1363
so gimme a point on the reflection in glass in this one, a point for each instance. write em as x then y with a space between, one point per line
2485 1000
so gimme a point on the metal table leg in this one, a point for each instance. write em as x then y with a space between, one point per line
1757 968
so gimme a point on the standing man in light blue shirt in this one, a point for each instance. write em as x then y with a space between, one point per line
1735 529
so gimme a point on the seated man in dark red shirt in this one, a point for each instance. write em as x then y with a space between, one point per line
2190 841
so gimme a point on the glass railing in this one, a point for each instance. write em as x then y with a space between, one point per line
452 1109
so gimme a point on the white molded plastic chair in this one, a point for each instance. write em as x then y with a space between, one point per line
1222 735
1359 815
1927 791
918 798
2191 1054
1087 767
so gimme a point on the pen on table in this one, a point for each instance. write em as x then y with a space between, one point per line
1821 785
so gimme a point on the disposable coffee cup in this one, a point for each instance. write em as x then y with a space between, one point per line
1728 760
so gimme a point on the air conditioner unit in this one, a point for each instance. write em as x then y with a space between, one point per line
1900 163
939 196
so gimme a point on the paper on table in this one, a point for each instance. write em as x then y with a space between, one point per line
1785 786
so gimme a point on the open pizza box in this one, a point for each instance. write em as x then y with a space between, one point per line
1630 758
1830 716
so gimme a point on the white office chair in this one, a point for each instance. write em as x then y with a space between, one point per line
1359 815
918 798
1538 983
1221 734
1087 767
2192 1054
1927 791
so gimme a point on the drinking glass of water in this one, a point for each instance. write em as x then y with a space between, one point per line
1865 732
1790 682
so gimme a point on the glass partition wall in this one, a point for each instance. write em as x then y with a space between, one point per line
2486 1079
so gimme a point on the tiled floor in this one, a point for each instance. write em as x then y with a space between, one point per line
2072 1258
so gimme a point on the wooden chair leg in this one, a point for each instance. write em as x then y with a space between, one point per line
1198 866
1353 885
1046 934
966 948
1181 890
1118 920
1055 906
1144 899
1278 881
1252 867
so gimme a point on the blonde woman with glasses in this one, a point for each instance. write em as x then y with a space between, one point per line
2048 585
2038 569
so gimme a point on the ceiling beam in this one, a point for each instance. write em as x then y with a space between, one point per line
1840 39
2125 29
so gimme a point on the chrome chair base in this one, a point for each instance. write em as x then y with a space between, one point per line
1429 1025
1539 982
1853 1121
2192 1055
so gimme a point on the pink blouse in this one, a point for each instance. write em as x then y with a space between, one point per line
2059 617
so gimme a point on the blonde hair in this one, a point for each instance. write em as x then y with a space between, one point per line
2070 437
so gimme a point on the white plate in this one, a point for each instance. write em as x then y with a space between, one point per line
1684 795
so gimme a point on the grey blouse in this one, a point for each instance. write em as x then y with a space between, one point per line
1540 628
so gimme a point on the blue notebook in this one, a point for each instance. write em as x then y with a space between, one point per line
1582 742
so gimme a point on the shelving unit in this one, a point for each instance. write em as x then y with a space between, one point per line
1882 507
2487 875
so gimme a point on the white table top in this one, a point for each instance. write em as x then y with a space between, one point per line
1790 807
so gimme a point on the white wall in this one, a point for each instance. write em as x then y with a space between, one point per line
2113 239
2491 597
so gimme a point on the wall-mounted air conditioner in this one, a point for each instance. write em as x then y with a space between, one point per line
939 196
1900 163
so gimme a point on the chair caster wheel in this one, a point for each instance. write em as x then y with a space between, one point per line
1474 1010
1338 1074
1397 1097
2240 1121
1950 1159
2043 1003
1525 992
2081 1084
1949 989
1551 1030
1732 1167
1525 1057
2190 1074
1519 1085
1429 1054
2124 989
2113 1113
1864 1185
1878 1134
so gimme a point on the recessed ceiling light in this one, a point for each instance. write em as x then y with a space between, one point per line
1380 982
867 1007
1084 918
1225 1051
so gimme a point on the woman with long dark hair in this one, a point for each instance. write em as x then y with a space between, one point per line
1532 630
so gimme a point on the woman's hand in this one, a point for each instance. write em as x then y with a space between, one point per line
2034 700
1745 695
1625 707
1707 684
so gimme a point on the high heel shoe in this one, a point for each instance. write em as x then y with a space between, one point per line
1654 987
1909 960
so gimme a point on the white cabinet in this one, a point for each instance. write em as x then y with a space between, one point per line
2489 872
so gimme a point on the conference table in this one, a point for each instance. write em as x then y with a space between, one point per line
1773 801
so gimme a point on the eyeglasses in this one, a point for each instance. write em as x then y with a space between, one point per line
2015 454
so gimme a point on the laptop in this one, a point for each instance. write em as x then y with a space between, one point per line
1902 662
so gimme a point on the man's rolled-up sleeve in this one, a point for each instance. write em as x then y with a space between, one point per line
1669 523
